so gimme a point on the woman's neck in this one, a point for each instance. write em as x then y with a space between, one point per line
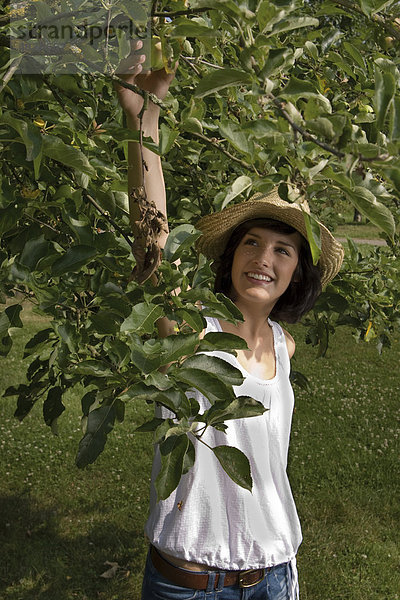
255 320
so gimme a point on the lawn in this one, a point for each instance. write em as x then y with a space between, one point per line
60 526
364 229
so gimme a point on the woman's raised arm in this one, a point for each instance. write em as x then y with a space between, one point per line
151 176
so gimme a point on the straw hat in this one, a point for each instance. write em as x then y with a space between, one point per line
218 227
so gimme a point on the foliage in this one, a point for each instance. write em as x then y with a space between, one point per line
303 96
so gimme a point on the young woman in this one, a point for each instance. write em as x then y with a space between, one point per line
212 539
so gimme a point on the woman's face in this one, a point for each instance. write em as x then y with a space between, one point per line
263 265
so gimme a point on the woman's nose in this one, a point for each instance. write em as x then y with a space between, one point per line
264 256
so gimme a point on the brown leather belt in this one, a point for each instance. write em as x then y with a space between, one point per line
199 581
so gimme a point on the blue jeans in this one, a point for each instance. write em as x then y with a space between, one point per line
274 586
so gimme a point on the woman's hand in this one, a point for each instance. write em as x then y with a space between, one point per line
131 70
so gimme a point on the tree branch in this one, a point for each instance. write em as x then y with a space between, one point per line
310 137
217 144
181 13
106 215
388 24
137 90
10 73
305 134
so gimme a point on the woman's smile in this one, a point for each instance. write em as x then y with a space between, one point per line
262 277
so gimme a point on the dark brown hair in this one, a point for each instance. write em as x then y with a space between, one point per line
304 288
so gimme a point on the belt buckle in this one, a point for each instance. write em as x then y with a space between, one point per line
243 574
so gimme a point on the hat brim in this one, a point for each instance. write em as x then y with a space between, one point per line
218 227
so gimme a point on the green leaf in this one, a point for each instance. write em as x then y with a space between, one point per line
295 23
298 88
385 88
5 345
312 49
179 239
220 79
8 218
395 121
73 260
313 236
142 318
243 407
172 451
158 380
189 459
29 133
33 251
175 347
173 399
277 58
105 323
192 317
100 423
192 125
365 201
236 136
355 54
235 464
216 366
37 342
53 406
322 127
121 135
240 185
13 317
227 342
208 384
167 138
56 149
93 367
155 353
300 379
149 426
193 30
370 7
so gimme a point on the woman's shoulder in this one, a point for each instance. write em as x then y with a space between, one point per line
290 343
286 336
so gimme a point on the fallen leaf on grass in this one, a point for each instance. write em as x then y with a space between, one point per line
111 571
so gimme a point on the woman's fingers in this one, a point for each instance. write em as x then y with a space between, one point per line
132 65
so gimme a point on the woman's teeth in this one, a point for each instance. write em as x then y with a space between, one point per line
260 277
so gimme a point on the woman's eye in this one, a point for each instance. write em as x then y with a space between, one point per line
250 242
283 251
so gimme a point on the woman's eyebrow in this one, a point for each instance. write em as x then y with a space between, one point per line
282 242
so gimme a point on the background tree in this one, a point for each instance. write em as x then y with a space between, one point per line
300 95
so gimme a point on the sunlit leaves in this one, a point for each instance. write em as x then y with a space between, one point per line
365 201
313 236
220 79
179 239
142 318
385 87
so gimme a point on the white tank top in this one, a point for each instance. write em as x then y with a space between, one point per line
209 519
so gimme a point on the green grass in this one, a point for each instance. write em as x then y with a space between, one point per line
60 525
344 472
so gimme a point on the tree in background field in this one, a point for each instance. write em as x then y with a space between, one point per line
303 96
